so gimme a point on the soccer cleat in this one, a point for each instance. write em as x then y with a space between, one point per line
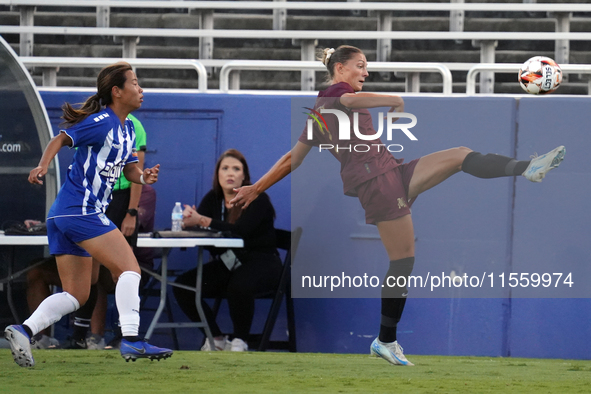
220 344
20 343
41 341
540 165
391 352
95 342
238 345
141 349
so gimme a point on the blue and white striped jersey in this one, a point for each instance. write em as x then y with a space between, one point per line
104 148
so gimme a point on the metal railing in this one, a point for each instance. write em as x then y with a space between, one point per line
279 65
514 68
310 36
311 5
50 65
294 34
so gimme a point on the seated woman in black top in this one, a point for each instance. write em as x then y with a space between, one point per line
255 268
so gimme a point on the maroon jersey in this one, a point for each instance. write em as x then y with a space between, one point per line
371 158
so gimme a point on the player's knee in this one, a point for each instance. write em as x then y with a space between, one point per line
403 250
462 151
117 272
460 154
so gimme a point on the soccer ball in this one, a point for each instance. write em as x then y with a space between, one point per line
540 75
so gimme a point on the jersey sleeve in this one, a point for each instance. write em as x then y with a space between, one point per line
92 130
339 89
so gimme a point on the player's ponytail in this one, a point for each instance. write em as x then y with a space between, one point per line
330 57
72 115
110 76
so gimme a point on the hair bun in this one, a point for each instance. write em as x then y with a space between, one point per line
328 53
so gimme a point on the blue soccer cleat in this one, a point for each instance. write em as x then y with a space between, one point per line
141 349
540 165
20 343
391 352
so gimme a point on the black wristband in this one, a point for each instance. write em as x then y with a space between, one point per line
132 211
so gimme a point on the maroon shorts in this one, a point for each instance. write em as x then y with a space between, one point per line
385 197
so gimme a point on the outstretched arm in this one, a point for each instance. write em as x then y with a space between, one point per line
56 143
289 162
372 100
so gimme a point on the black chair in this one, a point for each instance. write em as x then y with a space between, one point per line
287 241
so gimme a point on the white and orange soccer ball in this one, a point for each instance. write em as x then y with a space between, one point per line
540 75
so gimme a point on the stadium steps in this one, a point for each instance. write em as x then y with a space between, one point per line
402 51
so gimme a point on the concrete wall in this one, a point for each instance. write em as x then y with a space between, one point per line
465 225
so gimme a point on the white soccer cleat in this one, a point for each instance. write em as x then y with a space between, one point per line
238 345
220 344
540 165
95 342
391 352
20 343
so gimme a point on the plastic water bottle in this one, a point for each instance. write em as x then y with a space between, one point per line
177 217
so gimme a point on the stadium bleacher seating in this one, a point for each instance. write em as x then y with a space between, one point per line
434 19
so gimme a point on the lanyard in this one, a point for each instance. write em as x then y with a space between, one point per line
223 209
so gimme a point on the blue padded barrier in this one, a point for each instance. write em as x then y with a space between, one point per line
465 225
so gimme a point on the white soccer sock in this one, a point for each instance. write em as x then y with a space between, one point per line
51 310
128 302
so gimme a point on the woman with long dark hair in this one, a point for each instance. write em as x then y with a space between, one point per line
237 274
77 227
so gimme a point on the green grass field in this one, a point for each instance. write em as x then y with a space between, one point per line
77 371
